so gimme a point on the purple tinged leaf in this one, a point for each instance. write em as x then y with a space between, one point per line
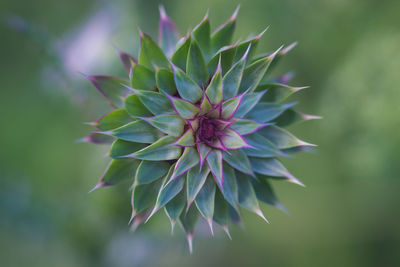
231 105
167 191
273 167
205 105
233 140
246 195
203 151
214 90
127 60
184 108
167 33
186 140
214 162
138 219
111 88
150 54
238 160
194 182
96 138
188 160
249 101
161 150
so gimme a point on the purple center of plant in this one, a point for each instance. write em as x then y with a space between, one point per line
208 130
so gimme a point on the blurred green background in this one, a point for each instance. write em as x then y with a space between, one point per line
348 215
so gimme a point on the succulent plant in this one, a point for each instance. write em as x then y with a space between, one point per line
197 126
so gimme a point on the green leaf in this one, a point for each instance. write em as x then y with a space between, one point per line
179 57
244 127
97 138
163 149
214 161
233 140
266 194
255 72
135 108
112 120
291 116
187 88
262 147
165 81
214 89
234 215
168 34
188 222
195 181
111 88
168 192
272 167
226 54
117 171
174 207
170 124
188 160
229 187
277 92
205 105
246 195
143 196
121 148
249 101
243 46
205 200
137 131
149 171
143 78
196 67
220 209
224 34
264 112
156 102
185 109
233 78
187 139
238 160
150 53
201 34
281 138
